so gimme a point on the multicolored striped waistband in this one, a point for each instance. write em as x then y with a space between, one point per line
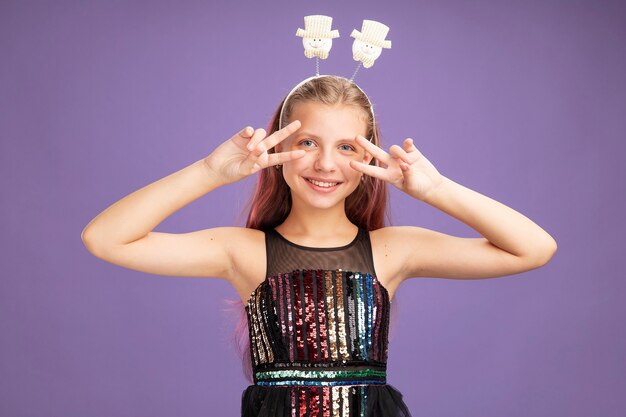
322 377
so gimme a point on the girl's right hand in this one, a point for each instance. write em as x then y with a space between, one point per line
246 153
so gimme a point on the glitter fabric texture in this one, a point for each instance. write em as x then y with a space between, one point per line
319 334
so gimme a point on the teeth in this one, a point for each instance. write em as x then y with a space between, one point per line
322 184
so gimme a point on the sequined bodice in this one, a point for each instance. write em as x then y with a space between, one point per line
317 320
318 327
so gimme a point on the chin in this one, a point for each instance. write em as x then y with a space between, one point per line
327 201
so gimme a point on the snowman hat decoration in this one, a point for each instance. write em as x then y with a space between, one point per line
374 33
369 43
317 37
317 26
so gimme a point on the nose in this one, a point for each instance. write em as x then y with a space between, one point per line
325 160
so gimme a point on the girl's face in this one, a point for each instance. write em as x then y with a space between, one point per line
323 177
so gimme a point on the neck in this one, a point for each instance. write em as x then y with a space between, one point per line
316 222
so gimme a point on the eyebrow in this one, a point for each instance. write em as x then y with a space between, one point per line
317 137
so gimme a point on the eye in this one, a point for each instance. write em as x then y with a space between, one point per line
347 147
307 143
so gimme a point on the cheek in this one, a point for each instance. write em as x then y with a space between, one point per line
295 166
360 157
288 144
348 171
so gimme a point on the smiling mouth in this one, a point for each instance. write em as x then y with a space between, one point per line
322 184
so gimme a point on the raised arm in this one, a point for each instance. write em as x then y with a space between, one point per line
511 242
122 234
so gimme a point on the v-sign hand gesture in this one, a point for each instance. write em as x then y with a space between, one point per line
246 153
406 168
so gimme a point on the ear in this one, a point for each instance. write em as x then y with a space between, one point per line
367 158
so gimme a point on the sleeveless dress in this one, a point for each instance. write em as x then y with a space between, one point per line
318 327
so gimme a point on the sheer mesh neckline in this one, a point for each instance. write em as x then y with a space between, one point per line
356 238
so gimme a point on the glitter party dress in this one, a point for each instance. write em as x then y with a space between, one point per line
318 327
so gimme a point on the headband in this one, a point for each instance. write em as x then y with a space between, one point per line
317 39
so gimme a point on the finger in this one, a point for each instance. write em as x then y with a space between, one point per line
377 152
251 160
413 154
281 134
282 157
246 132
408 145
257 137
399 153
371 170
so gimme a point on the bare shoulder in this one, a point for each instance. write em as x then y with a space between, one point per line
247 253
393 239
241 236
399 252
389 252
243 250
243 245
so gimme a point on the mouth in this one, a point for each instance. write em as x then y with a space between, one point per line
323 185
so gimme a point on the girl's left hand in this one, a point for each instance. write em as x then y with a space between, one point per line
407 169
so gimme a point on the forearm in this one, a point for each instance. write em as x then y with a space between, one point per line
135 215
501 225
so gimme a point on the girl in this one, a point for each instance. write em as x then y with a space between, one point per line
315 267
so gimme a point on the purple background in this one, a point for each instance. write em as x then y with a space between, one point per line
521 101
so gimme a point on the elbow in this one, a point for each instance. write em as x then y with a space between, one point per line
87 242
86 236
90 241
551 248
544 255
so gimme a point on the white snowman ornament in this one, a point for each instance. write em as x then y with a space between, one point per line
317 36
369 42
